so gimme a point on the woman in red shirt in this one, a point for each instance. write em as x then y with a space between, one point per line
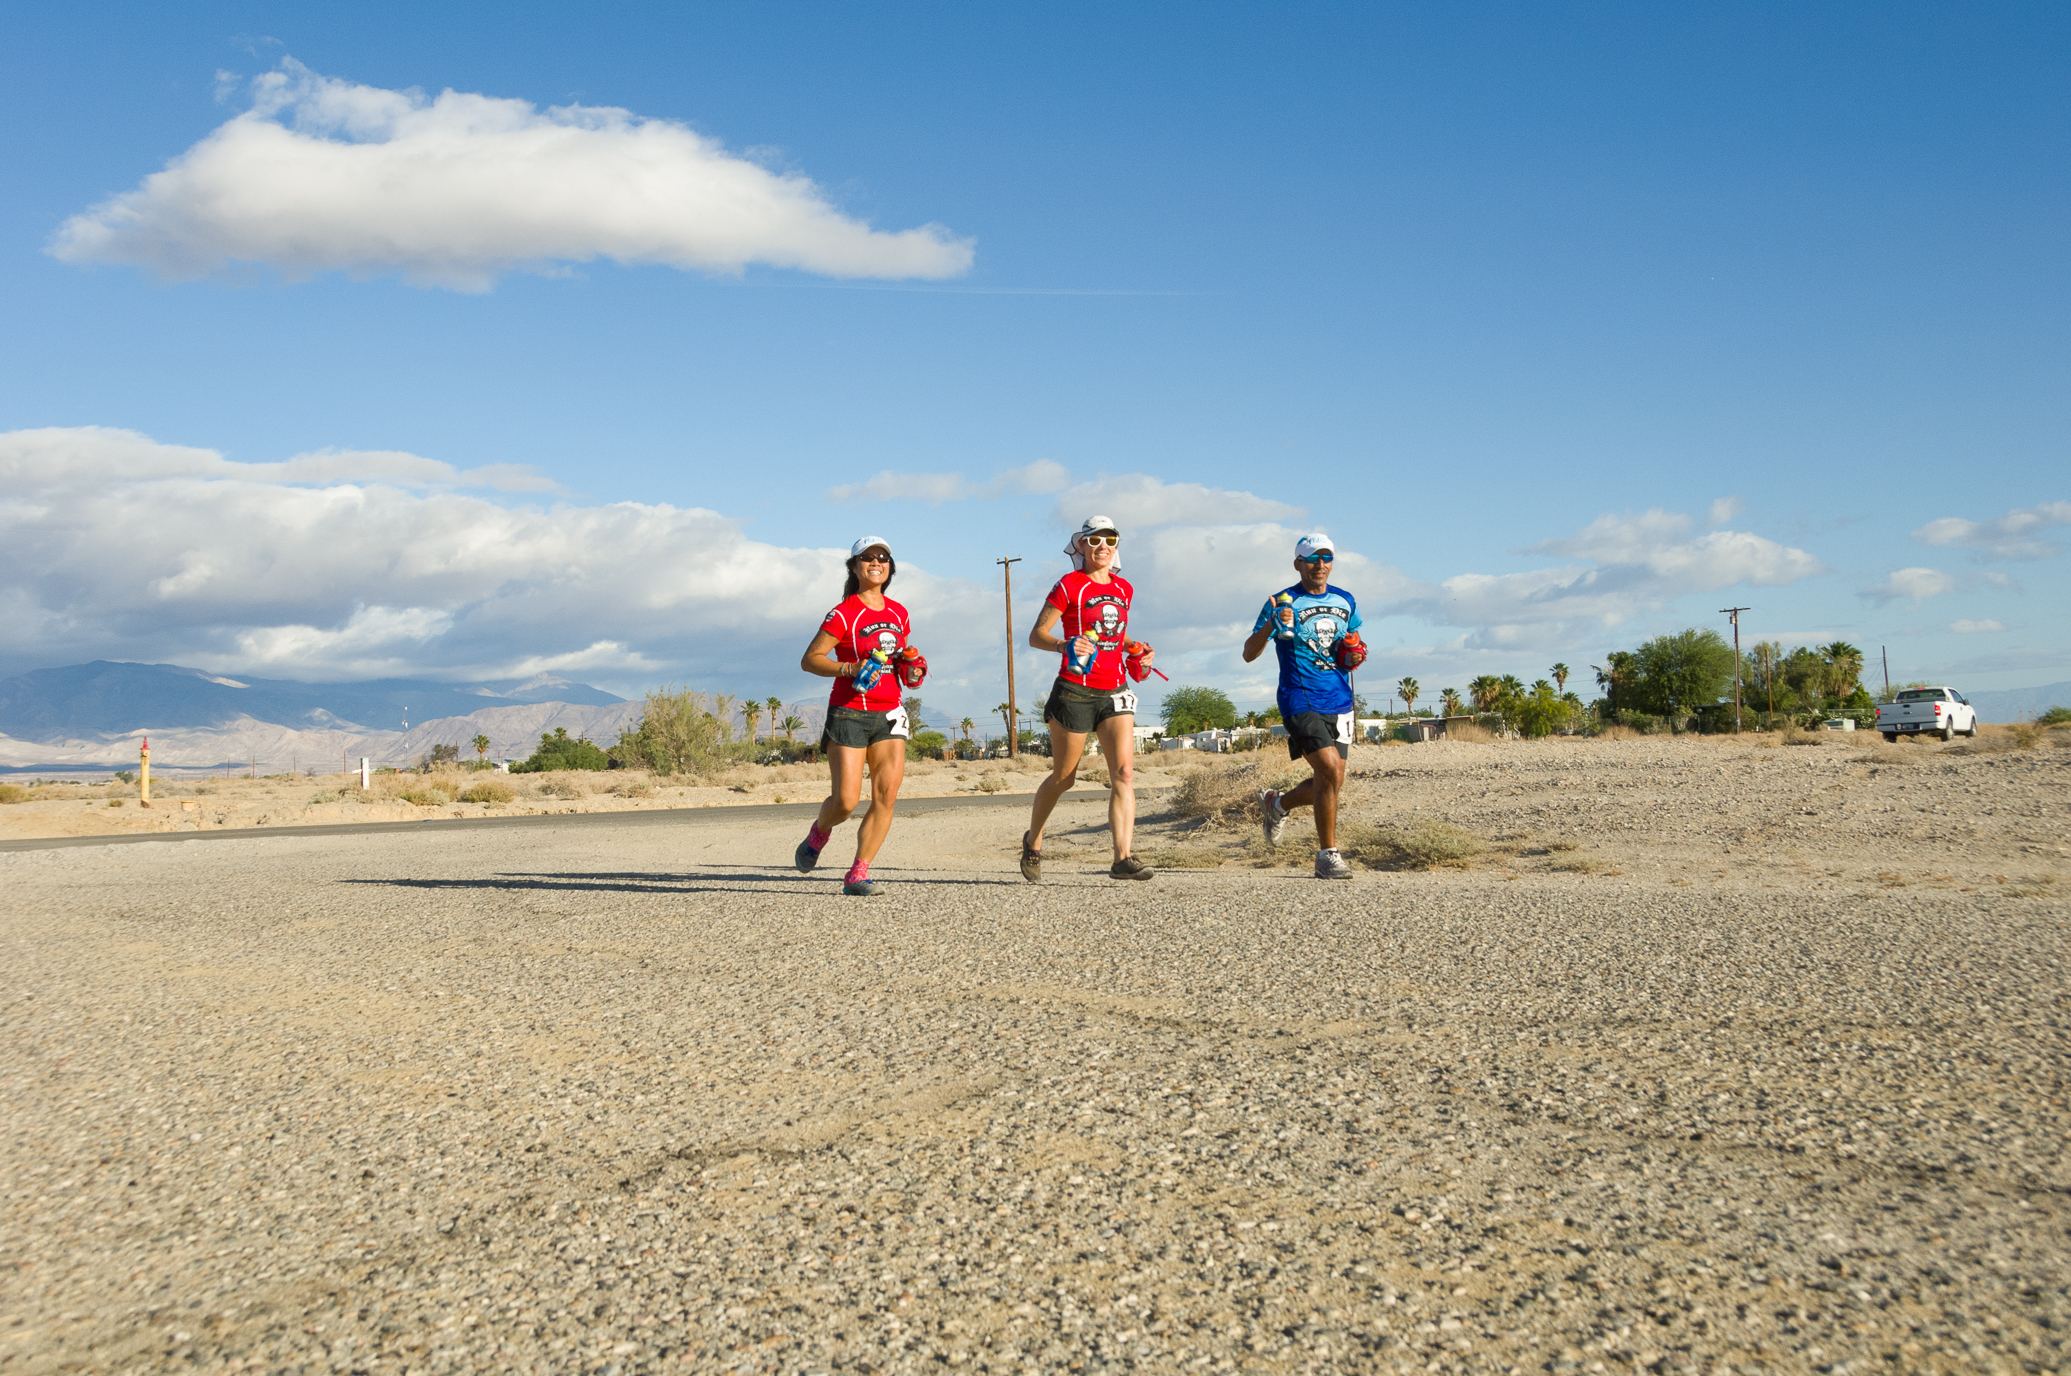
1090 606
865 723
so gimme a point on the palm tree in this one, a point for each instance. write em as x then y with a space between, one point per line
790 724
1006 719
1449 699
1485 690
751 712
1511 686
775 705
1560 676
481 745
1844 667
965 725
1408 690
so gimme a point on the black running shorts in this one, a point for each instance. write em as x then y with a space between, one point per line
1079 709
860 730
1313 731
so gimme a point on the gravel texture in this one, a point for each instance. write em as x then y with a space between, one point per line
569 1098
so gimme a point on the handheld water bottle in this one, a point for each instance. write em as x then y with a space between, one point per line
871 669
1080 666
1281 629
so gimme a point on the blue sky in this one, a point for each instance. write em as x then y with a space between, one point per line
1569 325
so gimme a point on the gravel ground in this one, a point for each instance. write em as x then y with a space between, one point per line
1775 1084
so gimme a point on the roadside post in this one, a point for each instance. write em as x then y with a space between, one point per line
366 774
144 776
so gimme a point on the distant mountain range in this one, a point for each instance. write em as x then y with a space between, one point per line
87 699
2018 704
93 716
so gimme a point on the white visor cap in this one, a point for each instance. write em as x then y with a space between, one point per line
1093 525
867 543
1310 546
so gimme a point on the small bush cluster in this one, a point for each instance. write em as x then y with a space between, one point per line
1417 844
13 793
490 793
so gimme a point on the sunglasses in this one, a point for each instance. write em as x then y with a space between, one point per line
1095 541
1319 559
873 558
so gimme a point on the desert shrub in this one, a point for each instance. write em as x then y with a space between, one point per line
563 788
492 792
682 731
1215 793
115 802
429 795
13 793
128 776
1586 864
991 783
926 745
2055 716
1419 843
318 799
1467 733
562 751
1791 735
632 788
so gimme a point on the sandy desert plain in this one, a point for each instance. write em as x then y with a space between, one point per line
1697 1054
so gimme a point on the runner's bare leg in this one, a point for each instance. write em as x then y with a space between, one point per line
887 772
1320 790
845 763
1118 746
1065 749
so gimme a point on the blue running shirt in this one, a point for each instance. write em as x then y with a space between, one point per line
1309 677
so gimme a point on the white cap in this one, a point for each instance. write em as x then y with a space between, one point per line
1093 525
1311 545
867 542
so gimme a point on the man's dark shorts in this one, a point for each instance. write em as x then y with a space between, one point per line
860 730
1080 710
1307 731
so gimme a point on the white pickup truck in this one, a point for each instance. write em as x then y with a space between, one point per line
1940 710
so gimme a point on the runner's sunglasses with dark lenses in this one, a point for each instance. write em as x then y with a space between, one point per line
1111 541
874 557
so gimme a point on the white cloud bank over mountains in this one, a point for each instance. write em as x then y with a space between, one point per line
343 565
323 175
2016 535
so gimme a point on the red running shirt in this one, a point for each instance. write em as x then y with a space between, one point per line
857 630
1101 612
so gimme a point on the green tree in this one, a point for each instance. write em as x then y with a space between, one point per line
791 725
912 706
1560 674
775 705
1680 673
1485 689
680 732
751 712
562 751
1449 699
481 745
1844 668
1407 690
1187 710
1619 677
1541 712
965 726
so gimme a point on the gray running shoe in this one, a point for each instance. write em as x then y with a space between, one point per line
1129 867
805 857
862 888
1331 865
1031 862
1276 816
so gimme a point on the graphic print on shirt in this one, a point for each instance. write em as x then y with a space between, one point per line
1100 612
1310 680
858 630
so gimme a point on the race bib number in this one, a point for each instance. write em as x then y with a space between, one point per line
1125 701
897 717
1344 728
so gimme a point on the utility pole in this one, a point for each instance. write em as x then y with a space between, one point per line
1013 706
1735 612
1884 652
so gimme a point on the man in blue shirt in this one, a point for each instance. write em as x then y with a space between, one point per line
1311 624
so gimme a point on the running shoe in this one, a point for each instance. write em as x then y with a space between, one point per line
1276 816
1129 867
805 857
1031 862
862 888
1331 865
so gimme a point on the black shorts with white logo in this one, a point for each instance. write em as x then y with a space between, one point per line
1080 710
1307 731
859 730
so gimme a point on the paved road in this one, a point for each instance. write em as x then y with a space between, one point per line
566 1095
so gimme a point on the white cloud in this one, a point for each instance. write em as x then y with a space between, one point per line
1044 475
2016 535
1723 510
1912 585
323 175
51 458
1967 627
114 546
1138 501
